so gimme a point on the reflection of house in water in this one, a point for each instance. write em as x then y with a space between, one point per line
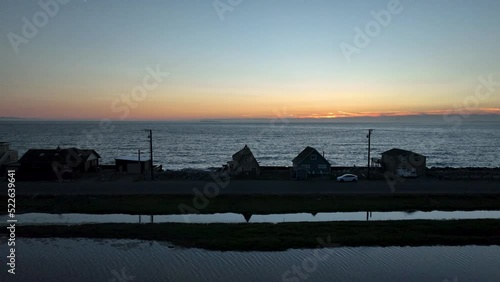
247 216
151 219
243 164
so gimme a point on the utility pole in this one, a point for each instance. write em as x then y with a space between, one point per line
139 161
151 151
142 171
369 147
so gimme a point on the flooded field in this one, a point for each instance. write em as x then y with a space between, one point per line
55 260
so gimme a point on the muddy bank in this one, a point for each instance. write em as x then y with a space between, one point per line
467 173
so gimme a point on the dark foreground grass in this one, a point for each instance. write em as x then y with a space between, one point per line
276 237
254 204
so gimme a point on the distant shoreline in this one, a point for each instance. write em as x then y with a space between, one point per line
410 119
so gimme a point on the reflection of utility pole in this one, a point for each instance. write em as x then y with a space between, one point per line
151 150
369 147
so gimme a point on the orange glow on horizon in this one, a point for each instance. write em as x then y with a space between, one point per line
168 105
340 114
153 115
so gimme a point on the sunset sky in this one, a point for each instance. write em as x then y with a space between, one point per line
259 59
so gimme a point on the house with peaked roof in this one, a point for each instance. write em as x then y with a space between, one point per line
132 164
403 163
7 156
310 161
49 164
243 164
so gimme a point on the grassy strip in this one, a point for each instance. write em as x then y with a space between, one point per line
276 237
169 204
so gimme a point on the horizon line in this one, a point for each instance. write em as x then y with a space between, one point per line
293 118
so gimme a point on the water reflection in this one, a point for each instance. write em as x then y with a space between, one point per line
151 219
369 214
247 216
45 218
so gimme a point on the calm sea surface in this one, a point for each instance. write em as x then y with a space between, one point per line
203 145
55 260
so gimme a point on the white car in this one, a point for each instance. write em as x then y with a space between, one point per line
347 178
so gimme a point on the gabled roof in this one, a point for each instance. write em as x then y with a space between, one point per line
394 152
87 152
245 152
306 153
59 155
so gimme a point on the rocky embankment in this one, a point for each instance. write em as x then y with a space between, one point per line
188 174
466 173
444 173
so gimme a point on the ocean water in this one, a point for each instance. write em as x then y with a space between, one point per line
211 144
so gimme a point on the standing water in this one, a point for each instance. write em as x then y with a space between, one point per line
79 260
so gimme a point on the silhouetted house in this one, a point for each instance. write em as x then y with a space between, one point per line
310 161
243 164
8 157
132 164
403 163
50 164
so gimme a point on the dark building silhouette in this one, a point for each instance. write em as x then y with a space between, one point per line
310 161
403 163
50 164
132 164
244 164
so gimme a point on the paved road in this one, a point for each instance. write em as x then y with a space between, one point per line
417 186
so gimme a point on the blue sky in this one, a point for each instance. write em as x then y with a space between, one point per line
264 55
